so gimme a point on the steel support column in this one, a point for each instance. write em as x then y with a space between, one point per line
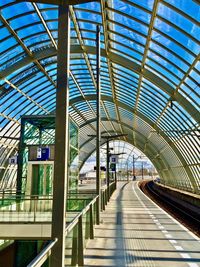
20 158
61 139
98 139
142 170
134 177
107 168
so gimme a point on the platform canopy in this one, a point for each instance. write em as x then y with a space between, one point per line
149 77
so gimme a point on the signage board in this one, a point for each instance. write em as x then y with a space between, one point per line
114 159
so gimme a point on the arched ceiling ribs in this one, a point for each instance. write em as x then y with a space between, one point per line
159 163
61 2
142 139
26 96
86 56
109 63
126 63
148 40
148 121
178 87
114 120
35 60
29 54
146 49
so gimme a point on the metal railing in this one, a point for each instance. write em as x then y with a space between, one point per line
77 232
43 255
35 208
105 196
26 209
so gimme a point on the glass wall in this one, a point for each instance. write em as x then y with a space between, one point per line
73 157
36 155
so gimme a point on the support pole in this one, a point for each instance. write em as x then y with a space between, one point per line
115 177
20 158
134 177
107 168
98 139
40 137
127 173
61 139
142 170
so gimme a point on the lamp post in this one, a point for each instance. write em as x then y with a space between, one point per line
127 173
142 170
134 160
98 139
116 154
108 138
134 177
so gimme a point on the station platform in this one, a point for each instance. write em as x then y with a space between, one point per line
136 232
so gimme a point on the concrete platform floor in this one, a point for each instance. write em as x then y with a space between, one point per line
136 232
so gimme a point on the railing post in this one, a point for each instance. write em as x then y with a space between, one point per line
107 168
35 199
103 199
74 246
91 222
94 212
80 242
106 197
98 210
3 197
87 226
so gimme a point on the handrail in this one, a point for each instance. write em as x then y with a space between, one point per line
76 226
46 252
71 225
42 197
43 255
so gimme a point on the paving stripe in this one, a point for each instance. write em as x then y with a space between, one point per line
168 236
192 264
172 241
178 248
185 255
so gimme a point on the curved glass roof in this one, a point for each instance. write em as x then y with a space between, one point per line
149 77
125 153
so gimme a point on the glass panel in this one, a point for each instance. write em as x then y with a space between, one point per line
17 9
176 35
131 11
179 20
189 7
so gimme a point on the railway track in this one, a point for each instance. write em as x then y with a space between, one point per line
180 212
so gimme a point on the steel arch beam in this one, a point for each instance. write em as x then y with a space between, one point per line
159 163
149 122
117 59
59 2
142 139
